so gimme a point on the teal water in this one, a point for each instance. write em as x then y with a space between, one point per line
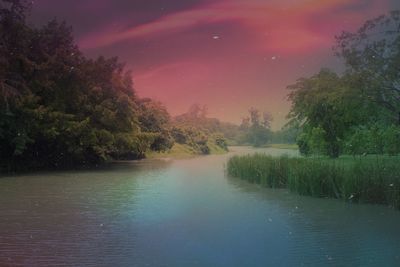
184 213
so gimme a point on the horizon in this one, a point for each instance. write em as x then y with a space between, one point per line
227 55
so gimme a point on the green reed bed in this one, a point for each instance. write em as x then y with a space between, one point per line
366 180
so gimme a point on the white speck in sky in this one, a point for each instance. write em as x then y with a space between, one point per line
216 37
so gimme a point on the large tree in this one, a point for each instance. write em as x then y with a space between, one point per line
373 55
320 102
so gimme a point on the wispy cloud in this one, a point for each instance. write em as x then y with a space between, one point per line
278 25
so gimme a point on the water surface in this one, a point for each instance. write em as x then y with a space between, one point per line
184 213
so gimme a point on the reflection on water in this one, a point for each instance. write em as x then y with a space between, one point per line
184 213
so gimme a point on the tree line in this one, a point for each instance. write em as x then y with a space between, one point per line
60 108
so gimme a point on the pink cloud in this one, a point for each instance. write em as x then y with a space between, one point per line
278 25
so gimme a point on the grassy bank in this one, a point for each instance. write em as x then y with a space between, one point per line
284 146
365 180
184 151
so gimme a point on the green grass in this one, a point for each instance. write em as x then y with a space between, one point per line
184 151
284 146
215 150
365 180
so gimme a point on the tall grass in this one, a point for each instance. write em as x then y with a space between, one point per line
366 180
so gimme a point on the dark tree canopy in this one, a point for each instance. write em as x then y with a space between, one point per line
59 107
373 55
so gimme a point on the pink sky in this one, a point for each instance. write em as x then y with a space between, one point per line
227 54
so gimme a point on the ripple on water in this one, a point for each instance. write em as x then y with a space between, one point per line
183 213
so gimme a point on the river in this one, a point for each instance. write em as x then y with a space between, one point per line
184 212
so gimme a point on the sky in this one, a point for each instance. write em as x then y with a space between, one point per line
229 55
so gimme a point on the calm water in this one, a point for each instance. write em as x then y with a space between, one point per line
184 213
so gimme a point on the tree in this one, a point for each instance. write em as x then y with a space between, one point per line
153 116
267 120
319 102
245 125
254 116
373 55
258 133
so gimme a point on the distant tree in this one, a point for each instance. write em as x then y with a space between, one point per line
258 133
287 134
194 111
204 112
267 120
255 116
245 125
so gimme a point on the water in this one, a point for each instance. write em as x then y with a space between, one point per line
184 213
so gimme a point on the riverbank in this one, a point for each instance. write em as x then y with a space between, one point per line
284 146
185 151
365 180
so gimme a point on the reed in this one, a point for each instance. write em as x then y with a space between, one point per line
365 180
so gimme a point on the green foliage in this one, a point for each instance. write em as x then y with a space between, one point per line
357 142
374 139
287 135
320 103
317 141
357 110
372 55
255 130
335 118
58 108
367 180
179 135
199 132
258 135
391 140
302 143
221 141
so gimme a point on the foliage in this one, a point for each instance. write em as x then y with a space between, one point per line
372 55
255 130
288 134
317 141
319 102
302 143
391 140
59 108
357 111
199 132
155 119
